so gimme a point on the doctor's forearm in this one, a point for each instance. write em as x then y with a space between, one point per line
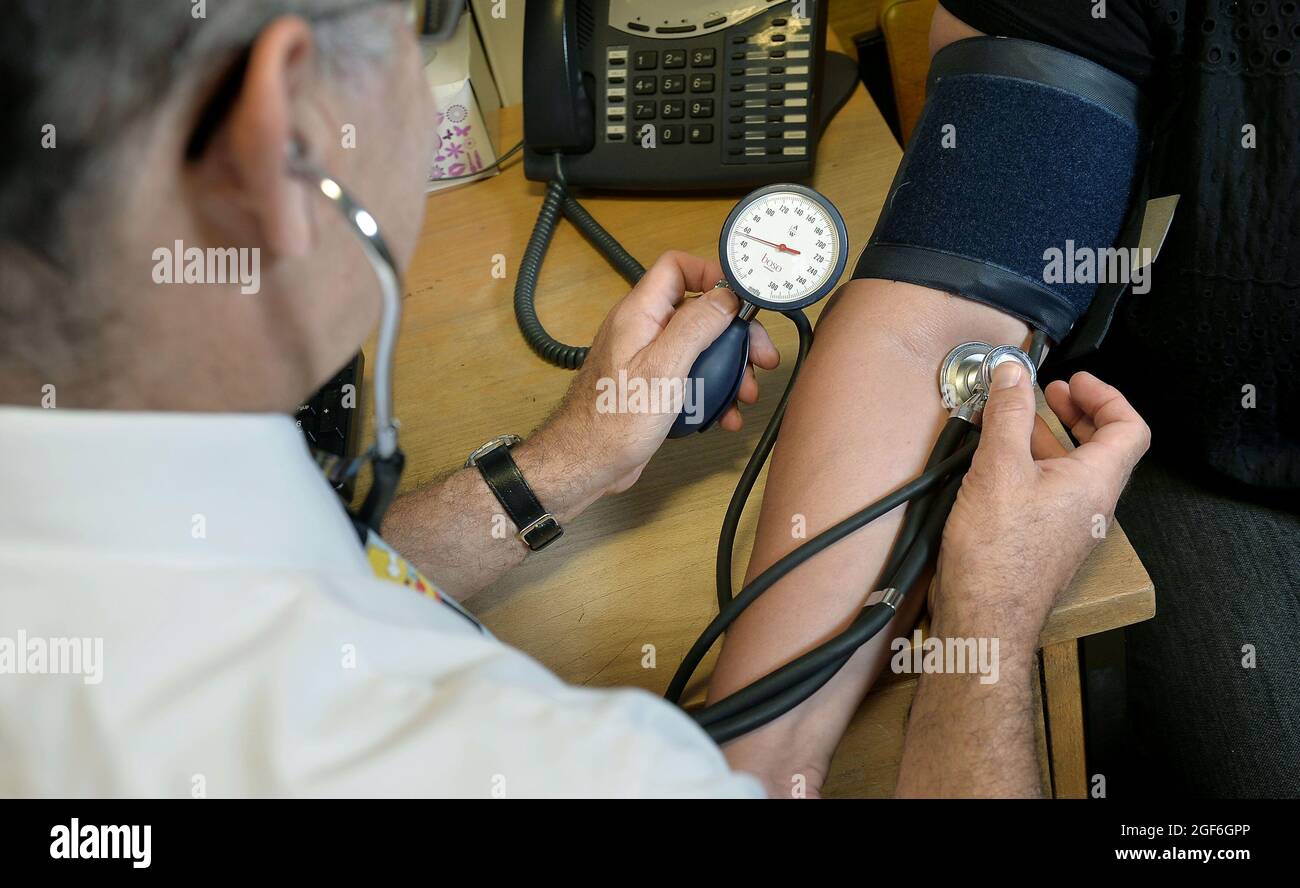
861 421
456 532
966 736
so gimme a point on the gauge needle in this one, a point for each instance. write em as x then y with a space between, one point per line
782 247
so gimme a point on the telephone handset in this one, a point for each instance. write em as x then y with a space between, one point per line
672 94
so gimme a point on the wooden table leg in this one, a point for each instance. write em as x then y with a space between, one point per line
1063 695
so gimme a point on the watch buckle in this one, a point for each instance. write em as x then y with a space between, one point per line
544 522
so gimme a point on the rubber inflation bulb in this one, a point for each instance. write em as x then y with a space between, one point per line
714 381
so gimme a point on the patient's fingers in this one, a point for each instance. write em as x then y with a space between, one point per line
1072 416
1119 432
1043 443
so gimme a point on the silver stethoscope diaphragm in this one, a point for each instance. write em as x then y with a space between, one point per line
1001 355
966 374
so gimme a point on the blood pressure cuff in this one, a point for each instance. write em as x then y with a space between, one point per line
1025 158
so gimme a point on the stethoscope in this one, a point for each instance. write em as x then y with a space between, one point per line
763 265
385 456
436 23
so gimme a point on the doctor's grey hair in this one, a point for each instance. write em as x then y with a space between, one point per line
80 81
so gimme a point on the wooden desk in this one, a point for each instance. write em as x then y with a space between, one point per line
619 600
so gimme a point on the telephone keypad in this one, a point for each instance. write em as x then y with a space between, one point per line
657 91
735 92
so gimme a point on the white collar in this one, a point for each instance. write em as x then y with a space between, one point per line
191 489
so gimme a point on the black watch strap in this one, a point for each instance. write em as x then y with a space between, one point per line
537 527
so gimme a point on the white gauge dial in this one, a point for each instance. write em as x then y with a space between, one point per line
782 247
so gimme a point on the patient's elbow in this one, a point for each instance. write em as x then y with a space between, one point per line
924 324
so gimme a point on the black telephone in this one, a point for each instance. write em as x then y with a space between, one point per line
727 92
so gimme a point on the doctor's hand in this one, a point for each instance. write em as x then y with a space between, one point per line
1029 511
654 334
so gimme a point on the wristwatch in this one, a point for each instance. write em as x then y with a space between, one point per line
537 527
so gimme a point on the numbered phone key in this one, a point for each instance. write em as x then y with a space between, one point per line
702 108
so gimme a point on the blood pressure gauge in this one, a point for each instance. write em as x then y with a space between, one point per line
782 248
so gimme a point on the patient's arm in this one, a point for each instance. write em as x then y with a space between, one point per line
861 421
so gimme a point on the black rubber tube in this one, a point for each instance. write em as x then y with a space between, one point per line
753 468
759 691
773 695
950 438
808 549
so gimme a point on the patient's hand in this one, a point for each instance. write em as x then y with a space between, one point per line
1030 511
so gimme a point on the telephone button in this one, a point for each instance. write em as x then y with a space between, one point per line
701 132
645 84
645 59
675 29
701 83
674 83
702 108
643 109
673 108
674 58
702 58
671 133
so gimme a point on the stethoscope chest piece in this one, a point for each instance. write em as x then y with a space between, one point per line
960 375
966 374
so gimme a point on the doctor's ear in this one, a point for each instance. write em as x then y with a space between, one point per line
268 109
